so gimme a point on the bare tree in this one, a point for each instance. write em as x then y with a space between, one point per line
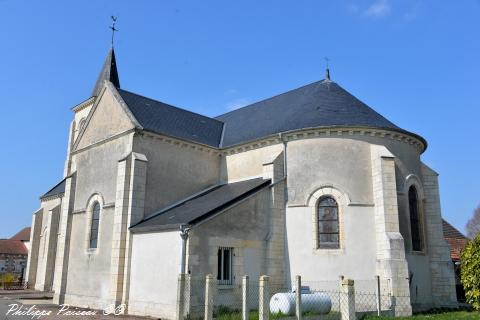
473 225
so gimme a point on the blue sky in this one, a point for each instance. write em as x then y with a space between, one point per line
416 62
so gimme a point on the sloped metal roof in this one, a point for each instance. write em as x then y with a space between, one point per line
200 207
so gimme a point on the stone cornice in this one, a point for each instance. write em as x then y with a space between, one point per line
332 132
83 105
288 136
55 196
105 206
180 142
95 144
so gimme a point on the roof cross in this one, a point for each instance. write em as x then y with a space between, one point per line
327 73
114 20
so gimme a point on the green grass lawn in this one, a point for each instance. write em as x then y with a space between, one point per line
459 315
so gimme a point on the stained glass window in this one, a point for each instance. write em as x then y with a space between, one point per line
328 226
94 226
415 222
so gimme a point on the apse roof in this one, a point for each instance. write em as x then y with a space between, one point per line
319 104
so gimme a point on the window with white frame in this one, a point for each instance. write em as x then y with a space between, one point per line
224 270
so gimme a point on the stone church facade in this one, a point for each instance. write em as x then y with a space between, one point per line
310 182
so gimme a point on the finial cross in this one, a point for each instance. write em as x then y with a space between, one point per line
114 20
327 70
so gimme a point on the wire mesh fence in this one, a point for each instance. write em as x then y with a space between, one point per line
248 298
13 285
242 299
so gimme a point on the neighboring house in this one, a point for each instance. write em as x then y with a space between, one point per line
457 242
24 236
311 182
13 257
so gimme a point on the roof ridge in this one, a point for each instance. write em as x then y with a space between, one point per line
274 96
170 105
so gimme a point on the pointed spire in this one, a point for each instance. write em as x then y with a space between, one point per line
109 72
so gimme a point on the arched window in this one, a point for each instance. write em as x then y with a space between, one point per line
328 227
82 124
415 221
94 225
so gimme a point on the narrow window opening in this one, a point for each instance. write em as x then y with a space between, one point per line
94 225
415 221
224 265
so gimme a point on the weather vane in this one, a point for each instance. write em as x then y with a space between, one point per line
114 20
327 75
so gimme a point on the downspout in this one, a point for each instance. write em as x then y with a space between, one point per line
184 230
284 141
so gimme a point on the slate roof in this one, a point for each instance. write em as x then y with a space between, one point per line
22 235
319 104
8 246
165 119
56 190
200 207
109 72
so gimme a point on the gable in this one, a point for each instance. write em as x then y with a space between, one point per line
106 119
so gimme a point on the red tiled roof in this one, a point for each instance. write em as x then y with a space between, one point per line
455 239
8 246
22 235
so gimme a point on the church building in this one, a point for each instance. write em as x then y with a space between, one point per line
310 182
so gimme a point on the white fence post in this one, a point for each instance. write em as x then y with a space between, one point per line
263 296
347 300
209 293
245 289
393 300
298 297
181 296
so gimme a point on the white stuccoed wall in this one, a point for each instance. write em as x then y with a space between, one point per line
156 259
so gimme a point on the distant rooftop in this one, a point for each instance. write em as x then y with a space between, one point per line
8 246
22 235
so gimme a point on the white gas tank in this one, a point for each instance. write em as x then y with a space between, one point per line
318 302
